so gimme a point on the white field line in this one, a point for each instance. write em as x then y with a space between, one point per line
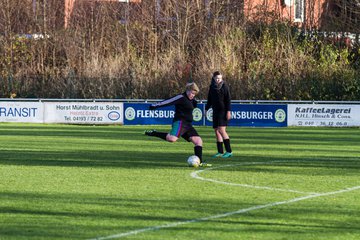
244 210
195 175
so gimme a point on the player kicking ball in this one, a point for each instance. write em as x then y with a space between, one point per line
182 122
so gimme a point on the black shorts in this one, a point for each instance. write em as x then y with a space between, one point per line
219 119
183 129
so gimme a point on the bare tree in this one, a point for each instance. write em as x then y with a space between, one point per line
345 15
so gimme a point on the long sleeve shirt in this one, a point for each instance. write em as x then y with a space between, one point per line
183 107
219 99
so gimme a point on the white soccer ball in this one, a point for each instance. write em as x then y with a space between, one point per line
193 161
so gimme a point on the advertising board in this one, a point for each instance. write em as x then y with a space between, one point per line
139 114
322 115
83 112
255 115
26 112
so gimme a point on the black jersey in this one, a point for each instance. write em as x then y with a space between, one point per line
219 98
183 107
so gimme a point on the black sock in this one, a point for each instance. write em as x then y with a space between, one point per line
220 147
227 145
198 152
161 135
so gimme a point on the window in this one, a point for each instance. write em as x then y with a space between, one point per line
299 10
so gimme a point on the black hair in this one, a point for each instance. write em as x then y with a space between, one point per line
216 73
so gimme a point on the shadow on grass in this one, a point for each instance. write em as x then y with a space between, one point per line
300 166
54 215
75 131
71 145
123 159
78 216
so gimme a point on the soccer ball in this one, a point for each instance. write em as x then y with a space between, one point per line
193 161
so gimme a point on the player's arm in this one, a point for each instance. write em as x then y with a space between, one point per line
227 102
167 102
227 99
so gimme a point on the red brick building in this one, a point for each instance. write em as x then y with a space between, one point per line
304 13
309 14
69 6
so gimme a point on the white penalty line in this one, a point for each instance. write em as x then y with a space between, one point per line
196 176
250 186
244 210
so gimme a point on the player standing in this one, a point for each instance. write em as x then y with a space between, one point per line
220 101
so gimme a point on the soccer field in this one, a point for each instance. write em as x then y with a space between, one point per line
112 182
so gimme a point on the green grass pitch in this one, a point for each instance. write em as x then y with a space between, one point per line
112 182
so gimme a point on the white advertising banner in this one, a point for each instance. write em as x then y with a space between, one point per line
84 112
25 112
319 115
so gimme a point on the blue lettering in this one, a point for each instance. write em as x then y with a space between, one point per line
18 112
2 111
25 112
10 112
